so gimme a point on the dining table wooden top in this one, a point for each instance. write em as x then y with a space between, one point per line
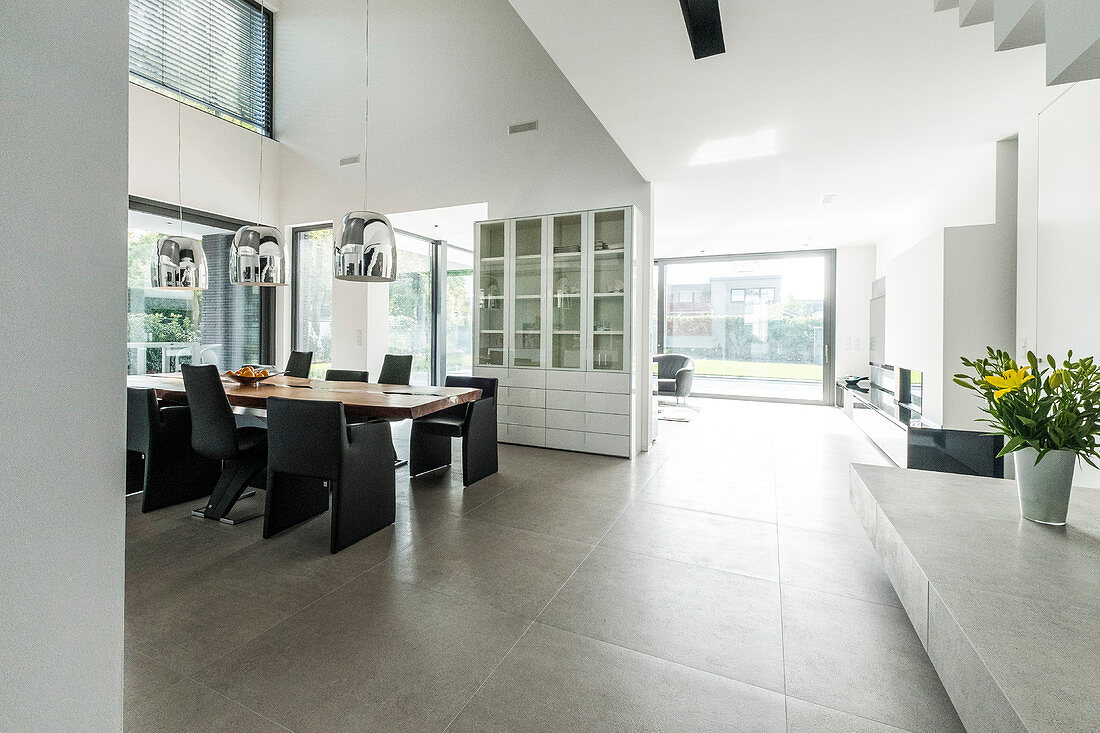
360 399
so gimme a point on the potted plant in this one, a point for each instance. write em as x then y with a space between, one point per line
1050 415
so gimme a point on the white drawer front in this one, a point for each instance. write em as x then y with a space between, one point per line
610 382
565 440
599 422
611 445
618 404
557 399
515 415
522 397
526 378
495 372
565 420
566 380
522 434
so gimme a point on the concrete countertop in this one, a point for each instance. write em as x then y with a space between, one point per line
1008 610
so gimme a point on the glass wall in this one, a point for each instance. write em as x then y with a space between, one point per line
458 310
411 305
755 326
223 325
312 286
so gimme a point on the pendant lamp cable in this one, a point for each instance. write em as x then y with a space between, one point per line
179 128
252 77
366 97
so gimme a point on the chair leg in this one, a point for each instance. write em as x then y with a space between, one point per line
174 479
427 452
479 444
236 474
292 500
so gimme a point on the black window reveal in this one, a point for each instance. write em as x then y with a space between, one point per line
215 55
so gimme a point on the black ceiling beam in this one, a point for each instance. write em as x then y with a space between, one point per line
704 27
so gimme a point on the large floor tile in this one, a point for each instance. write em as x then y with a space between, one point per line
158 700
713 494
715 621
558 681
376 655
834 563
805 717
512 569
864 659
699 538
570 515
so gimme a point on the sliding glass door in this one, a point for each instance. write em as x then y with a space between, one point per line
411 306
757 326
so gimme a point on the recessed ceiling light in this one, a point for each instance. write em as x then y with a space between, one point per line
827 199
756 145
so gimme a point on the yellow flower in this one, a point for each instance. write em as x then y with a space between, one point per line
1010 381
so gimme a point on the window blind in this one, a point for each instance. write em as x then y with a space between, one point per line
211 54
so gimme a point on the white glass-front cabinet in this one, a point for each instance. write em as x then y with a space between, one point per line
555 305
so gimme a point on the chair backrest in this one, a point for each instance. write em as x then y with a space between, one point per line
213 429
142 413
487 385
299 364
669 364
396 369
305 437
346 375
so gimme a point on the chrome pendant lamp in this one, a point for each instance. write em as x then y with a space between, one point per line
256 256
366 250
179 262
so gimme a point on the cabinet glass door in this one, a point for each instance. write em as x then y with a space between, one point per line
527 292
609 273
566 287
491 281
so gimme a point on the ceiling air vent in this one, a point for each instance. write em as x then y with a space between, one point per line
523 127
350 159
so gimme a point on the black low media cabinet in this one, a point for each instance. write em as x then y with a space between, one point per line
910 441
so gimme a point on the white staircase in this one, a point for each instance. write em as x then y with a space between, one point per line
1069 28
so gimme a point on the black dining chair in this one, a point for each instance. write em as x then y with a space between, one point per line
475 422
314 455
215 435
396 369
299 364
160 461
346 375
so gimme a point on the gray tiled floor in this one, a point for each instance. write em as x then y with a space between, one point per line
718 583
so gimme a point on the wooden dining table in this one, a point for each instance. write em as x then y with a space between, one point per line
361 400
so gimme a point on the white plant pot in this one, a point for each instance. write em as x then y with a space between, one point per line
1044 486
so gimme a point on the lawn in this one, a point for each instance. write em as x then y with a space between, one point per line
757 369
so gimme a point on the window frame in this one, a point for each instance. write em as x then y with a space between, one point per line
269 70
295 274
228 223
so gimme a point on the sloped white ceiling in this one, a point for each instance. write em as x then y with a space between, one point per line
875 101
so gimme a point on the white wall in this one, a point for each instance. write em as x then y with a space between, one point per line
62 391
219 161
969 197
1066 265
914 317
855 271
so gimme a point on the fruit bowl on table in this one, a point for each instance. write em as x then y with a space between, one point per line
242 377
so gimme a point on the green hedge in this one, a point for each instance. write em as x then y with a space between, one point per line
790 338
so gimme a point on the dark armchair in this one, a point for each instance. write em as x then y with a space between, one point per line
160 461
354 463
674 375
475 422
